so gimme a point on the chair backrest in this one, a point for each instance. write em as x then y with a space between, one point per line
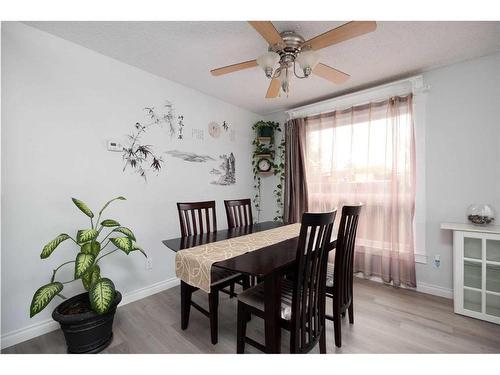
344 257
308 300
238 213
194 217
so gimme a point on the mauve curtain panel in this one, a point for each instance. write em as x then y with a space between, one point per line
295 197
366 154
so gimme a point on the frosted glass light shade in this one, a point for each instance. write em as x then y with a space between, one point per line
285 81
308 60
268 62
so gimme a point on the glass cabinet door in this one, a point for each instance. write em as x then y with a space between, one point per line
493 250
473 248
493 304
493 278
477 281
472 300
473 274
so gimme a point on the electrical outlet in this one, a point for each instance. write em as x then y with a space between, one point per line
149 263
437 260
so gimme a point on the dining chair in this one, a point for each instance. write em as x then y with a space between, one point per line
340 273
199 218
238 213
302 299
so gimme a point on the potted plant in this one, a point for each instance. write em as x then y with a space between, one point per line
266 128
87 319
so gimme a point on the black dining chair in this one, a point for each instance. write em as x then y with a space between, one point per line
302 299
340 273
198 218
238 213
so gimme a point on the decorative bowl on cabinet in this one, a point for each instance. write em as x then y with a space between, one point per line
480 214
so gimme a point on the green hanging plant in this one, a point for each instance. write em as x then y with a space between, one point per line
279 170
278 166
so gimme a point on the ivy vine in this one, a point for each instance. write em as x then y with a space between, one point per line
277 164
279 170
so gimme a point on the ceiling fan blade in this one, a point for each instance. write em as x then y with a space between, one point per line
234 68
339 34
331 74
274 88
268 31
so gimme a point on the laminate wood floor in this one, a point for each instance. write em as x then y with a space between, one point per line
386 320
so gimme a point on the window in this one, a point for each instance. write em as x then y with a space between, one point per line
348 156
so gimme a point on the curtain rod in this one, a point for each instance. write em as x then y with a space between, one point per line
415 82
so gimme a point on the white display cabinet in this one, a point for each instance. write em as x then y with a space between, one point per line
476 270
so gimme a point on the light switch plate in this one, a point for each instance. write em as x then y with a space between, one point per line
114 146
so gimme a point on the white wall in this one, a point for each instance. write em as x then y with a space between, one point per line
462 153
60 103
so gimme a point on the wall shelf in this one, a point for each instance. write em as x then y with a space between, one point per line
264 139
262 155
268 173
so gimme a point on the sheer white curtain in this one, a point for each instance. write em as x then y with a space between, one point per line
367 154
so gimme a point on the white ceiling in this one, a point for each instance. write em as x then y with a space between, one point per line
185 52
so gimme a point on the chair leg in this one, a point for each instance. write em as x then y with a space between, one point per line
241 329
246 282
231 290
186 292
213 303
336 327
351 313
322 341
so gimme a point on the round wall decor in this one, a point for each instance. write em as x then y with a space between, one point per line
264 165
214 129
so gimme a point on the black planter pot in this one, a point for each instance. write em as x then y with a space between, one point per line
88 332
266 131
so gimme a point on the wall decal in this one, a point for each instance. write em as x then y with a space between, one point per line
227 169
215 171
214 129
190 156
198 134
141 157
168 117
138 156
225 125
180 122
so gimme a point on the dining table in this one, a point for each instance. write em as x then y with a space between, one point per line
269 263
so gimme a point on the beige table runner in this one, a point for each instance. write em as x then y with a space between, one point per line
193 265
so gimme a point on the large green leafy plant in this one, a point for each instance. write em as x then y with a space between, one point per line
86 265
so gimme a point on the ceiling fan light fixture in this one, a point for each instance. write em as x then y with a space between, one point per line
308 60
268 62
285 81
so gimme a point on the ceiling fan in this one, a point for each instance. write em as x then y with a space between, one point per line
288 47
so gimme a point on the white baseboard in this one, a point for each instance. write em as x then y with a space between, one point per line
434 290
49 325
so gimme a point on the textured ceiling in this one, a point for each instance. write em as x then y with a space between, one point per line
185 52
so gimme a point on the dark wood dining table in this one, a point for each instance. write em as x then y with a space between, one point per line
269 263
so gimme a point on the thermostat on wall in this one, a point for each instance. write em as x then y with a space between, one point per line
114 146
